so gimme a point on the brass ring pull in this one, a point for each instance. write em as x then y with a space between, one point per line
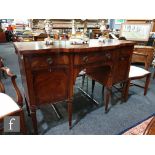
108 55
122 58
85 59
49 60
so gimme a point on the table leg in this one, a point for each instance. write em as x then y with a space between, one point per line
126 90
34 120
70 110
22 121
107 95
147 83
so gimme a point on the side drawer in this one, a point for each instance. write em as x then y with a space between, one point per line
44 61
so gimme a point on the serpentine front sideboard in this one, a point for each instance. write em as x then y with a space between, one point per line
49 71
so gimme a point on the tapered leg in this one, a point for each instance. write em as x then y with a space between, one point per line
107 95
70 110
93 85
87 83
83 79
22 122
103 89
126 90
154 75
123 91
27 107
34 121
147 83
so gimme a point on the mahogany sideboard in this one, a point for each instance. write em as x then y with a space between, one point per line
49 71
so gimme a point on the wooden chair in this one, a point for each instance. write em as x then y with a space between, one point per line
106 90
143 54
135 74
8 107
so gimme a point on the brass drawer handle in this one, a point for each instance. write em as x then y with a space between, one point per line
85 59
122 58
108 55
49 61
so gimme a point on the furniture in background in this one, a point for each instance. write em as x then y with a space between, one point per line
49 71
40 37
143 54
135 31
96 33
8 107
2 37
135 74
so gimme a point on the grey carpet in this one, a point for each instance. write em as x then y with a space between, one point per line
88 119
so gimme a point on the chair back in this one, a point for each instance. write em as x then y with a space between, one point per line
143 54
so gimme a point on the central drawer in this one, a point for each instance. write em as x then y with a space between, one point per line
85 59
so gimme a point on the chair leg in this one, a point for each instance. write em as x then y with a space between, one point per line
87 84
2 75
147 82
154 75
83 79
22 122
102 89
126 90
27 107
93 85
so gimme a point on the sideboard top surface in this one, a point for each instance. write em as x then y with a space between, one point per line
65 46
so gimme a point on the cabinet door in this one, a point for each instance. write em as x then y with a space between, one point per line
50 86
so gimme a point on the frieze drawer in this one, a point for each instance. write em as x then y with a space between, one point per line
48 60
93 58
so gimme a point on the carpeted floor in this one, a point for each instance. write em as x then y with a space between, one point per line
88 118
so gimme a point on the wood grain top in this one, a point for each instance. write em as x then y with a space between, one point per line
65 46
145 47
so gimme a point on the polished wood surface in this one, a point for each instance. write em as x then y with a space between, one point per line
143 54
49 72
